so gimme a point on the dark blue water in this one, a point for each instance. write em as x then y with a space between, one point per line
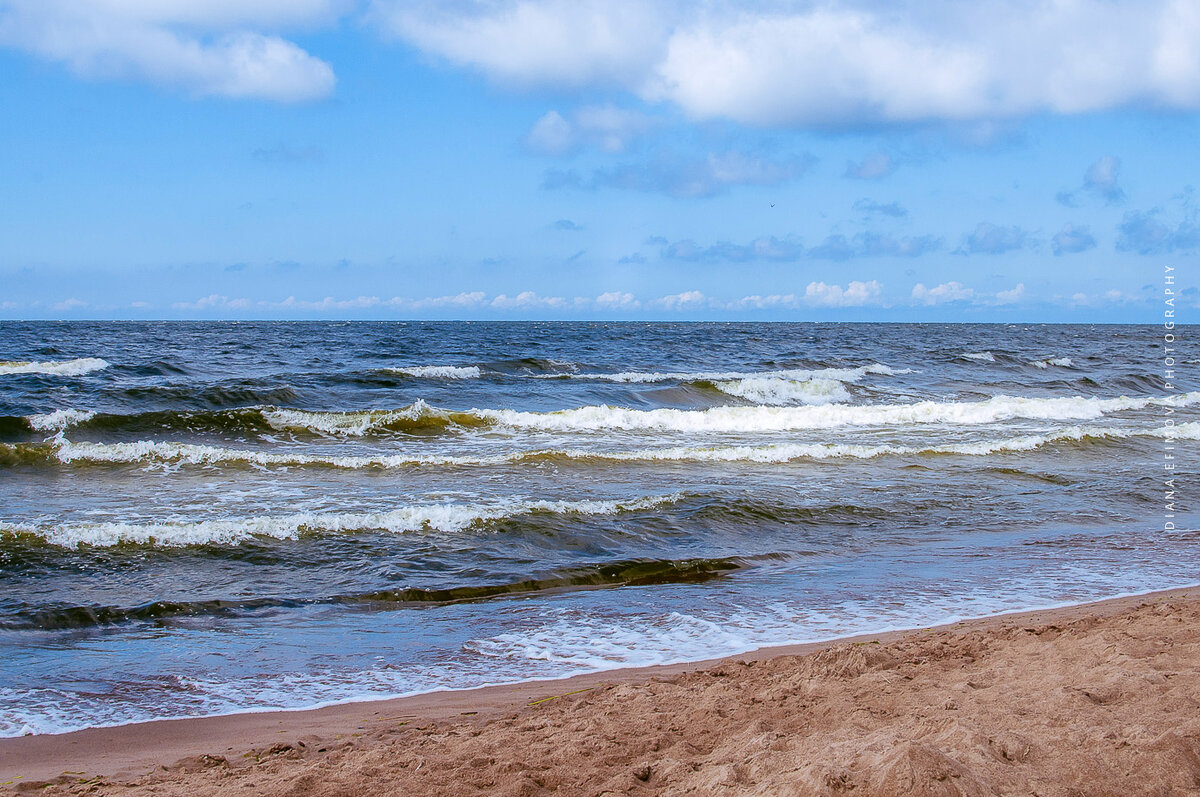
198 518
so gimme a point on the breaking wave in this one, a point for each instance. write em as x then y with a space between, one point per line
1060 362
152 452
85 365
422 418
763 390
795 375
779 419
439 371
446 517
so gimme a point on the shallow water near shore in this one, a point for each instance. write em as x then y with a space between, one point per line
199 518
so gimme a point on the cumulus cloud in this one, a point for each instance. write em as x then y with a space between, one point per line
1016 294
617 300
775 301
213 302
687 300
564 43
1147 234
204 48
843 62
989 239
855 294
940 294
1109 297
702 177
1100 180
605 127
528 300
1072 239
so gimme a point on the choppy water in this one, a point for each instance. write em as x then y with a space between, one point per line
211 517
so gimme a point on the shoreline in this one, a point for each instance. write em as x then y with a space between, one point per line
130 750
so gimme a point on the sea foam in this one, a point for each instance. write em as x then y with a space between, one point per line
85 365
440 371
448 517
149 451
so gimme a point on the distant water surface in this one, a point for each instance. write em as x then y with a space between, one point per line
201 518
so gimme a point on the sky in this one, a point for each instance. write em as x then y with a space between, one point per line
1000 160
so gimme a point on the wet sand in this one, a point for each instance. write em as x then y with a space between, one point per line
1102 698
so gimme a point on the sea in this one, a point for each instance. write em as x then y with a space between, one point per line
208 518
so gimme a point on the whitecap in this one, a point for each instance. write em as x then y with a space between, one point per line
439 371
85 365
446 517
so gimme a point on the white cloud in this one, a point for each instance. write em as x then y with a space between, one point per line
830 63
946 292
1011 296
605 127
205 48
570 43
687 300
459 300
211 302
527 300
70 304
855 294
551 135
1109 297
773 301
616 300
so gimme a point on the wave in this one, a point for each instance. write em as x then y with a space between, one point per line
605 418
439 371
981 356
795 375
149 451
762 390
416 417
422 418
59 420
627 573
1061 362
79 367
447 517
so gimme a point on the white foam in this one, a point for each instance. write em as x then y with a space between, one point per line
85 365
351 423
763 390
446 517
144 451
789 452
192 454
1061 362
58 420
440 371
797 375
981 356
781 419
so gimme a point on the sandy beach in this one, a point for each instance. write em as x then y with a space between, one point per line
1101 698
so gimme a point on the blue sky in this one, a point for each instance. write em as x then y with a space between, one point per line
999 160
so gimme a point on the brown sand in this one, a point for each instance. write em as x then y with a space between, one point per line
1102 699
